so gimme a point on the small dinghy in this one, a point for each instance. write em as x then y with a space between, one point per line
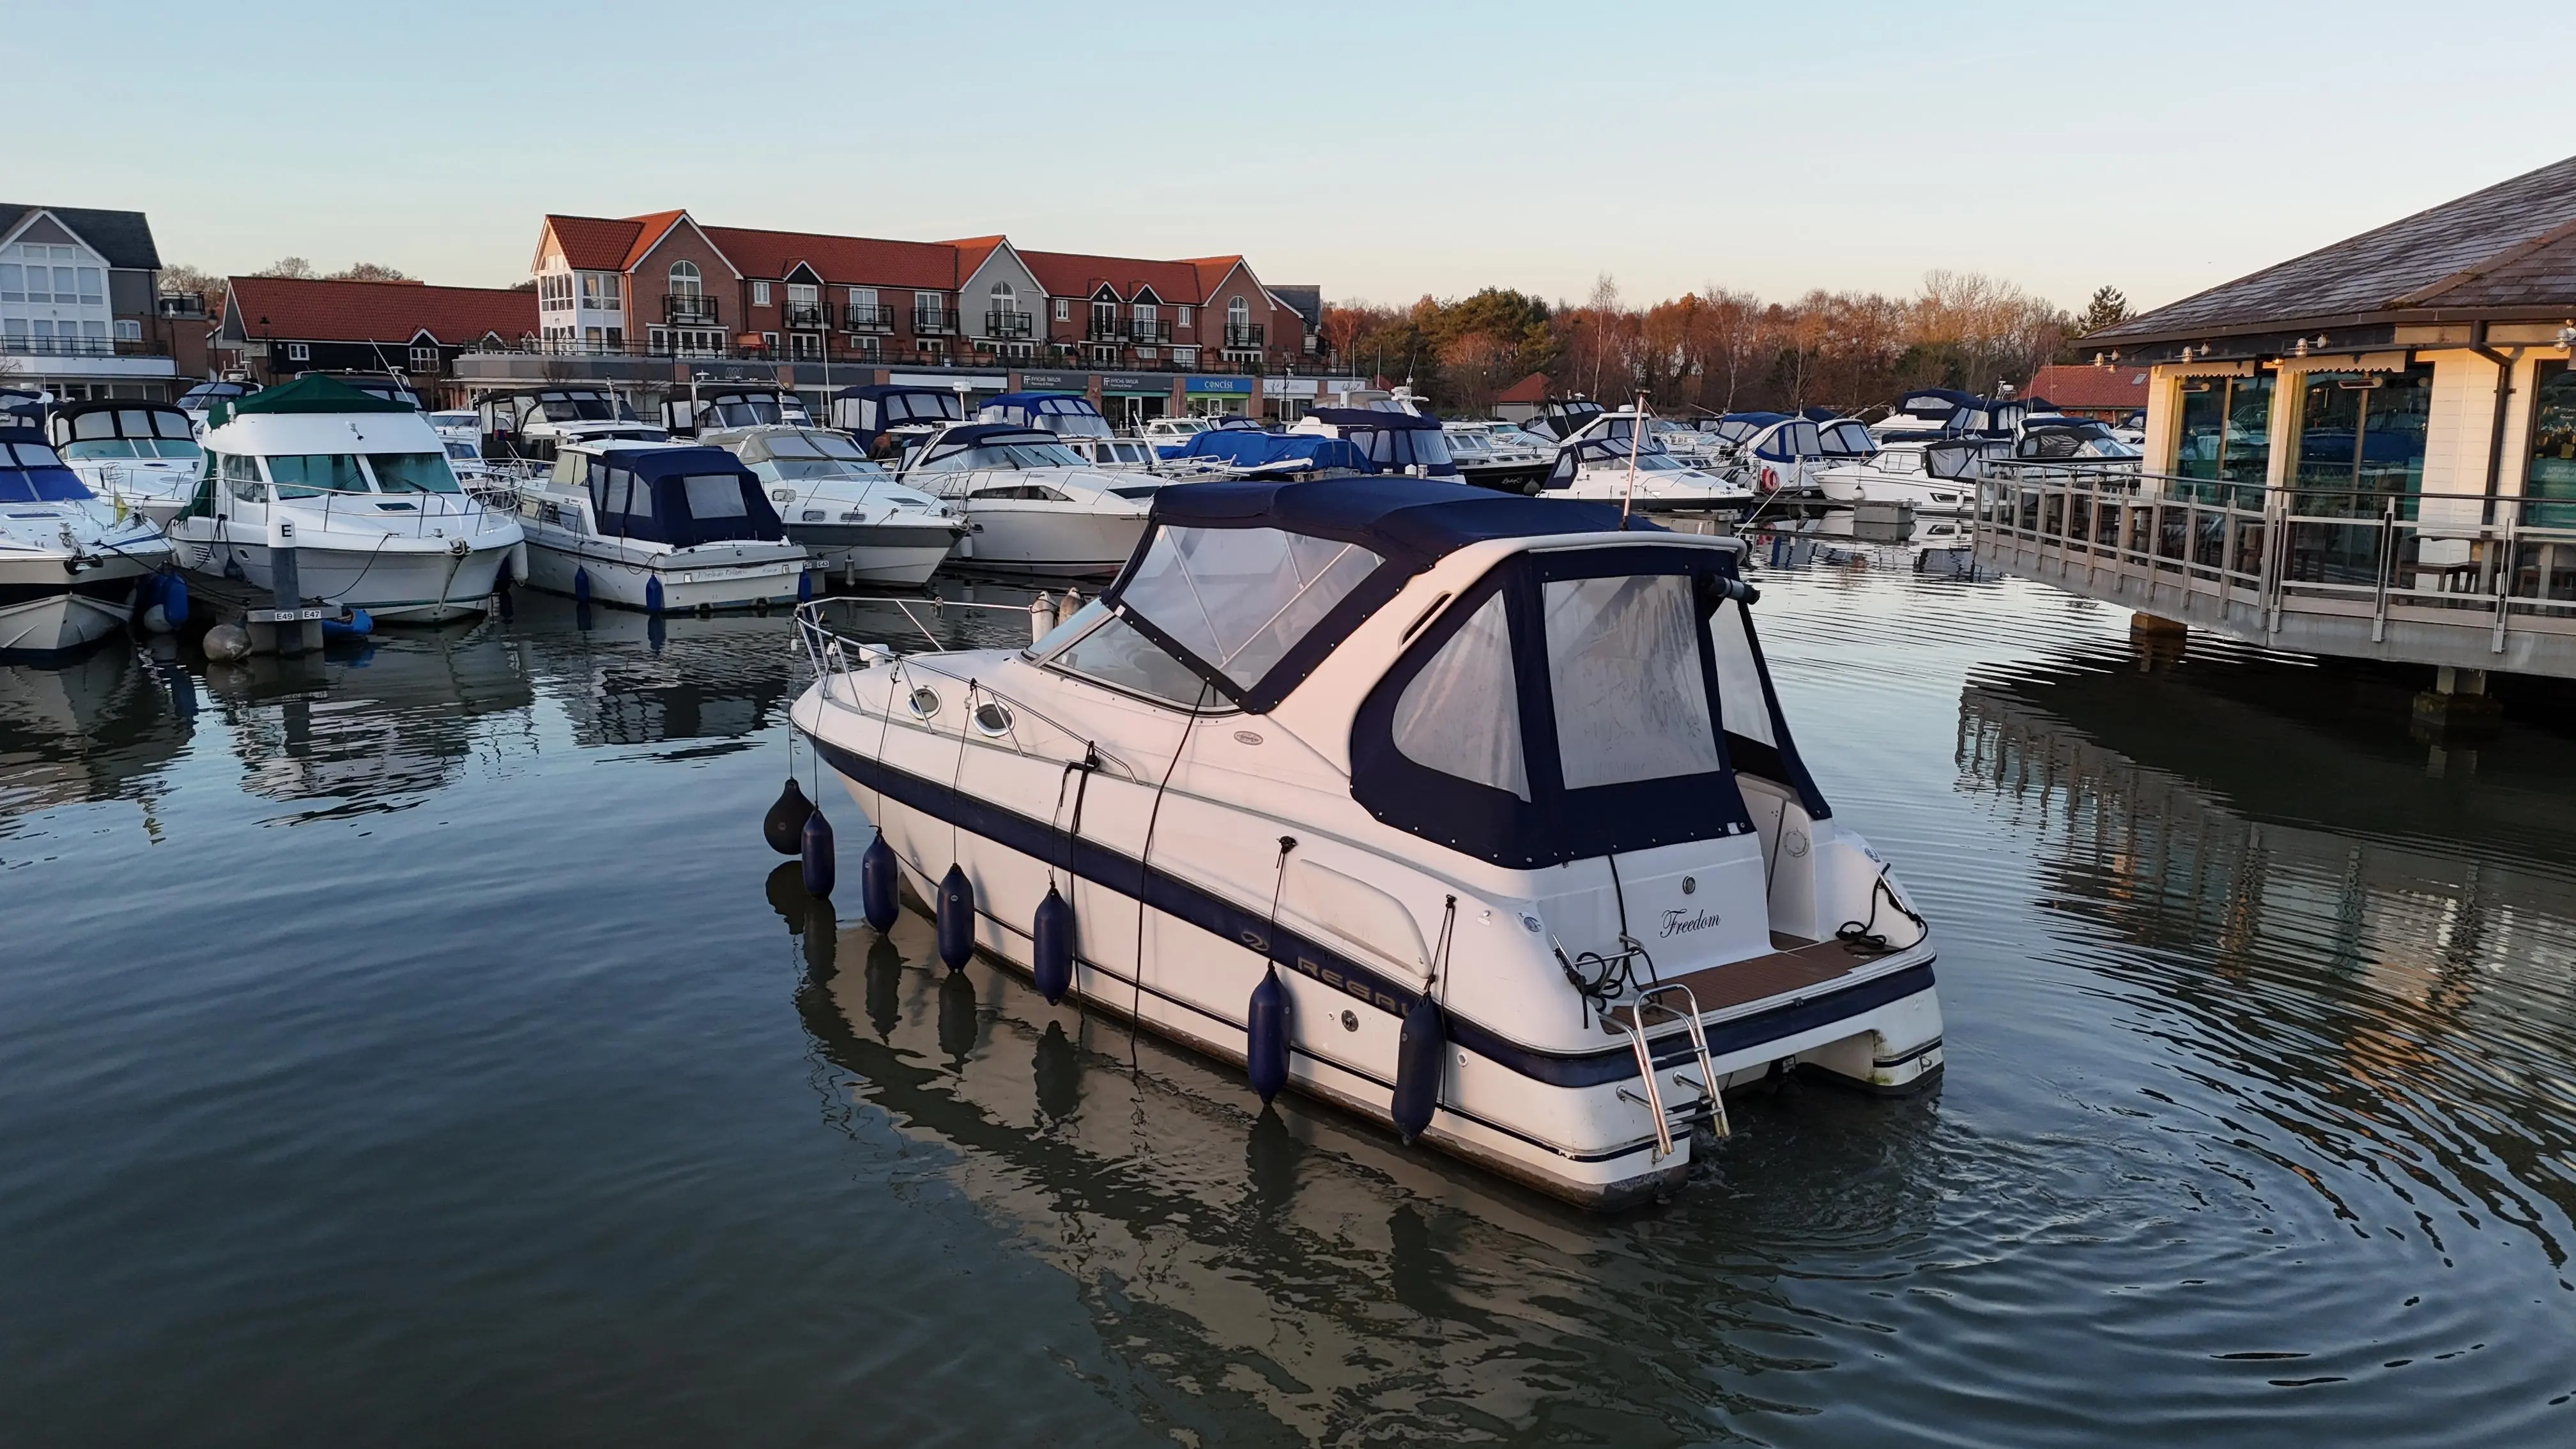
1474 814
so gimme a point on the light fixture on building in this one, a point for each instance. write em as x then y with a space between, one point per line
2101 362
2567 336
2299 348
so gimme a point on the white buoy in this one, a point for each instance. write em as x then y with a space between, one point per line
1041 616
1068 606
227 642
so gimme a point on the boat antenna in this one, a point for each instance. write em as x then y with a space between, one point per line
1636 434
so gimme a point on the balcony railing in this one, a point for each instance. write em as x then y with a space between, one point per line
932 324
804 314
1107 327
1007 324
181 304
1243 334
1064 354
16 346
682 309
1147 334
867 318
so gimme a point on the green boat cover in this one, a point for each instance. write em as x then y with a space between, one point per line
309 394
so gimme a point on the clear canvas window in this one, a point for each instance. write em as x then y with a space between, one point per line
1461 714
1241 598
1740 701
1118 654
1623 665
714 495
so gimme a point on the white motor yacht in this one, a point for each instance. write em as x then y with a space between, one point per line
732 405
1692 447
884 416
69 561
1064 414
1030 504
661 527
1497 455
850 514
524 429
1941 412
1783 458
1475 815
1392 441
1932 477
140 456
359 487
197 402
1639 472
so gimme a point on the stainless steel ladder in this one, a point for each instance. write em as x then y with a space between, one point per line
1713 1105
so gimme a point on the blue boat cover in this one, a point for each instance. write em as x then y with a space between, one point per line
31 472
1028 404
685 493
1247 448
1415 521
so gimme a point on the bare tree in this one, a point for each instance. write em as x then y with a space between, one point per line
368 272
295 268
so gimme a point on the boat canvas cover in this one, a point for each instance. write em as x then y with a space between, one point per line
31 472
1021 407
1372 418
1248 448
875 407
681 497
311 393
1955 458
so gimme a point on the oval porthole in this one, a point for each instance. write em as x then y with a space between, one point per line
925 701
993 717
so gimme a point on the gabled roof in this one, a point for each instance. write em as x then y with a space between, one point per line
842 260
972 251
391 313
2512 245
1531 389
2081 385
123 237
616 244
1078 274
1305 300
1213 271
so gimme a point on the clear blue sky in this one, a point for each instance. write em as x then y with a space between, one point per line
1382 150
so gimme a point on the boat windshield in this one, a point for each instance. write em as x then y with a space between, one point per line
412 473
1404 447
744 412
581 407
1015 454
1847 439
1238 599
1075 425
84 449
308 475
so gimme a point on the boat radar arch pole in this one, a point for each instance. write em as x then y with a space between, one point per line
1636 439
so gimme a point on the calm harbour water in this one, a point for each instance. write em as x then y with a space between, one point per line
421 1047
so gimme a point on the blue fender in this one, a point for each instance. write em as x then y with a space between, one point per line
879 884
1265 1036
956 918
819 865
1421 1059
1051 947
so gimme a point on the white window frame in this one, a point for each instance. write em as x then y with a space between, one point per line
760 294
299 352
1064 309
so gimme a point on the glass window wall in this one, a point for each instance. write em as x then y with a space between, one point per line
2226 434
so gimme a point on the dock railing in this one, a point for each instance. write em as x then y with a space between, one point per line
2314 567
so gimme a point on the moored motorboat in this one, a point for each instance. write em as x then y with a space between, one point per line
69 563
1476 815
1930 477
860 525
140 456
1030 505
657 527
1636 472
359 488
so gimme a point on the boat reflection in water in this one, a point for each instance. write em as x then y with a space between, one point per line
1296 1267
625 678
2363 948
375 725
99 727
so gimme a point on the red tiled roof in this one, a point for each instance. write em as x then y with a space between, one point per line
1074 274
971 253
842 260
594 243
387 312
1531 389
2082 385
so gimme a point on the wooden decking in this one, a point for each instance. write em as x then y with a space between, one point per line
1793 965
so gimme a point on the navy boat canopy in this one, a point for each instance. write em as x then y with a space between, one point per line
32 472
1413 521
1372 418
680 496
1253 448
1937 402
1041 402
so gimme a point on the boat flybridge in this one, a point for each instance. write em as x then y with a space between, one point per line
1942 412
1474 814
1030 504
895 412
1933 477
358 486
1064 414
527 427
1392 441
849 513
661 527
69 561
1684 442
1638 472
140 456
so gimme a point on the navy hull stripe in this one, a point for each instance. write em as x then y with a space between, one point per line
1117 871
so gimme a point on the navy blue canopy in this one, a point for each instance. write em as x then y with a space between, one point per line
1759 420
1372 418
865 409
1820 415
681 497
1413 521
972 435
1252 448
31 472
1937 402
1037 402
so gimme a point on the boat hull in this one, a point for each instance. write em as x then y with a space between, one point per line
1050 543
1925 497
710 578
393 584
1501 1107
43 620
869 553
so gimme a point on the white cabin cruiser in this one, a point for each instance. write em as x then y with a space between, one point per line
1392 441
69 562
359 487
1473 814
849 513
1650 480
1783 458
1694 448
884 416
525 429
734 406
1942 412
1495 455
1938 477
139 456
661 527
1030 505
